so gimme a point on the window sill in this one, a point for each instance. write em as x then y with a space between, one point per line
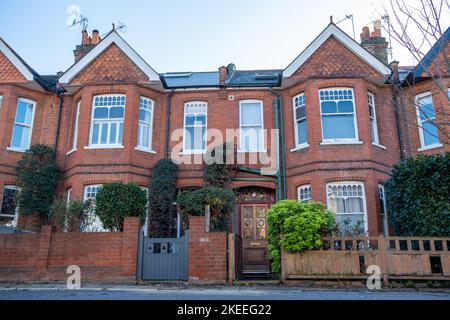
16 149
193 152
433 146
340 142
379 146
145 150
300 147
251 151
104 147
71 151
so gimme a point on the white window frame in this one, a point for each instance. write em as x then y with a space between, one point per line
305 118
195 151
263 144
1 100
355 119
75 129
16 212
30 126
420 122
372 104
346 183
69 195
304 187
384 217
148 148
106 145
97 224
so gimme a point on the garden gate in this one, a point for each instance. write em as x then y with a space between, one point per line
163 258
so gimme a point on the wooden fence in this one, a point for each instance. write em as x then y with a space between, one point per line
349 257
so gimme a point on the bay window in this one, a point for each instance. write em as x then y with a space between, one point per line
426 118
195 126
95 225
75 127
107 121
337 108
145 128
301 136
251 126
23 125
383 209
347 201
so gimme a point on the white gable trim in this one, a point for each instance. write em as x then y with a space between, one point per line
341 36
16 61
113 37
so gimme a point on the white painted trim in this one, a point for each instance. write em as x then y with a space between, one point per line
148 150
294 108
379 145
300 147
263 142
33 103
419 121
384 217
355 120
356 183
112 37
374 107
304 186
347 41
104 146
150 134
16 149
432 146
194 151
16 61
16 211
71 151
75 128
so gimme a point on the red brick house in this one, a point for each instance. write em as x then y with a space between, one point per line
111 117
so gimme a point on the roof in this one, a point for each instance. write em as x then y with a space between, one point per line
112 37
428 59
236 78
346 40
47 82
174 80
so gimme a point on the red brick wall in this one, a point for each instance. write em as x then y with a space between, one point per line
207 253
45 256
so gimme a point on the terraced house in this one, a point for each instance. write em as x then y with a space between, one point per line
344 118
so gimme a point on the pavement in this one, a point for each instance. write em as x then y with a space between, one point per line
167 292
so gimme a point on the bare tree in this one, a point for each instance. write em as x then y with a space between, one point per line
417 26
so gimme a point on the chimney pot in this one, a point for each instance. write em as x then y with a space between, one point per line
365 33
95 37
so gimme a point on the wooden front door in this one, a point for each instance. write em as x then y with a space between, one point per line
254 238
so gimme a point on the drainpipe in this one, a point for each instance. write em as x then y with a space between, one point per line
281 178
169 107
58 123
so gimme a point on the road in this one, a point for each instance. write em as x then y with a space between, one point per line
58 292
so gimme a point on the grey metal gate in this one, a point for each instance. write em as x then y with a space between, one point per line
163 258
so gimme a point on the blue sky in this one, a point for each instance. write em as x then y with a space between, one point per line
176 35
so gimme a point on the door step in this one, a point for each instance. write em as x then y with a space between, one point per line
260 276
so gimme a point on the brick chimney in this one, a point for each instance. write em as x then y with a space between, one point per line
223 74
374 42
87 44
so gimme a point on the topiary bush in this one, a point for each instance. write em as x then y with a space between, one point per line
162 195
417 196
37 176
117 200
302 225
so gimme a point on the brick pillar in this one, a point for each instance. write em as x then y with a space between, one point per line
43 249
207 253
130 239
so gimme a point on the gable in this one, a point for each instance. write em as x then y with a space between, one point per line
333 59
8 72
112 65
118 50
344 40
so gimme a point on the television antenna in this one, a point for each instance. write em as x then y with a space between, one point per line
349 17
79 22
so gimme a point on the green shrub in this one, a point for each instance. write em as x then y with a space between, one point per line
302 225
221 201
117 200
71 217
418 194
162 195
37 175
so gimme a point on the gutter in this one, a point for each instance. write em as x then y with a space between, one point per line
169 107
